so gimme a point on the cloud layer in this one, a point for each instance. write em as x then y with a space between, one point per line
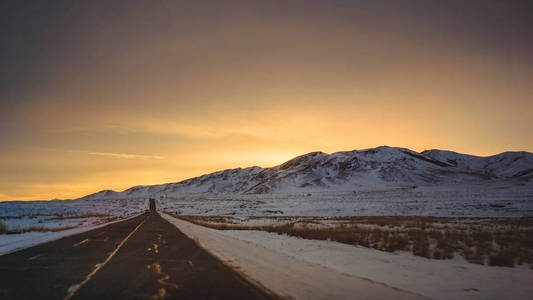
154 92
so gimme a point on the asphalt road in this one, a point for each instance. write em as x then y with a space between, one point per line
141 258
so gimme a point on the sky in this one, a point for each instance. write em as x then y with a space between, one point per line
110 94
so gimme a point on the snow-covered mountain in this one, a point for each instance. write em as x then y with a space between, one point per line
379 167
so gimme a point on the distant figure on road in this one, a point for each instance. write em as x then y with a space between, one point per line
152 204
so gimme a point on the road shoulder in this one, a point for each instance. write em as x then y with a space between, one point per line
285 275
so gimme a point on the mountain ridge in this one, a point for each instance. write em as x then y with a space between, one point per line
378 167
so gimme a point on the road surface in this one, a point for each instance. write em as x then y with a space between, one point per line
141 258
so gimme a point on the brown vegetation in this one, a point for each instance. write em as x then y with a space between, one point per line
84 216
31 216
34 228
496 242
56 216
102 218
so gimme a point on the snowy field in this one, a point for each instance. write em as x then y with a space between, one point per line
310 269
33 222
14 242
117 207
501 199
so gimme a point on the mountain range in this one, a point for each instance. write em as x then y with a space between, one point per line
381 167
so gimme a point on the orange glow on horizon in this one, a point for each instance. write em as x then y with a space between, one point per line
161 92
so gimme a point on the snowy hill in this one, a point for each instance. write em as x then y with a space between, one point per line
381 167
507 164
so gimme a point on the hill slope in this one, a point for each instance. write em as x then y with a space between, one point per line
379 167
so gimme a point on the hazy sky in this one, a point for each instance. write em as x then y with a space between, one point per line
98 95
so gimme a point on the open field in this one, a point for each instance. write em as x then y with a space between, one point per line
50 223
20 217
118 207
27 223
499 199
487 241
286 263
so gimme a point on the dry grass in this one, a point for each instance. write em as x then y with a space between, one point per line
495 242
84 216
55 216
36 228
31 216
4 229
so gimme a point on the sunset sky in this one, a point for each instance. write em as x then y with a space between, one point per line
95 95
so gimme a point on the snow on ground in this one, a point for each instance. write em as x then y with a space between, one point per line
501 199
54 215
66 213
311 269
116 207
22 223
439 279
14 242
284 275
